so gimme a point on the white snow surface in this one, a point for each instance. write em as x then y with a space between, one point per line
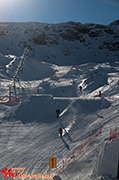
29 130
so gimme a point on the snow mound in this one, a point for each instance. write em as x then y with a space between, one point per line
40 108
34 108
89 105
107 165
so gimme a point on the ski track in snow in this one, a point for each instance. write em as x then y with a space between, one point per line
11 62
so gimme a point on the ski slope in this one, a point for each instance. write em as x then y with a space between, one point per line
29 129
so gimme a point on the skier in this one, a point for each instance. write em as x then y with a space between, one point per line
60 132
80 87
57 112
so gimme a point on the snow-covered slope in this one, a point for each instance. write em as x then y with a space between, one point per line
62 44
29 129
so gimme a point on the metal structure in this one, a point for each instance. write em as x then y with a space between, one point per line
18 71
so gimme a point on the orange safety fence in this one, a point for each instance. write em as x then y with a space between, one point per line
114 133
4 100
91 65
76 65
60 76
81 149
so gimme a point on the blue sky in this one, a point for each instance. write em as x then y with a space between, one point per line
56 11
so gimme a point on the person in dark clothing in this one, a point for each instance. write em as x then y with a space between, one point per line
80 87
60 132
57 112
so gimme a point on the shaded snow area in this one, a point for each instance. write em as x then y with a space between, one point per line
29 127
108 162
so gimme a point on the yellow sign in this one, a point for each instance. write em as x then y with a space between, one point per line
52 162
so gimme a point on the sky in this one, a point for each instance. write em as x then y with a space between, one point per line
57 11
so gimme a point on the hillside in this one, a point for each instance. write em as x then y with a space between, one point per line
60 59
62 44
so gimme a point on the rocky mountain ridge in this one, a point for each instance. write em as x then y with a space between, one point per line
74 42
